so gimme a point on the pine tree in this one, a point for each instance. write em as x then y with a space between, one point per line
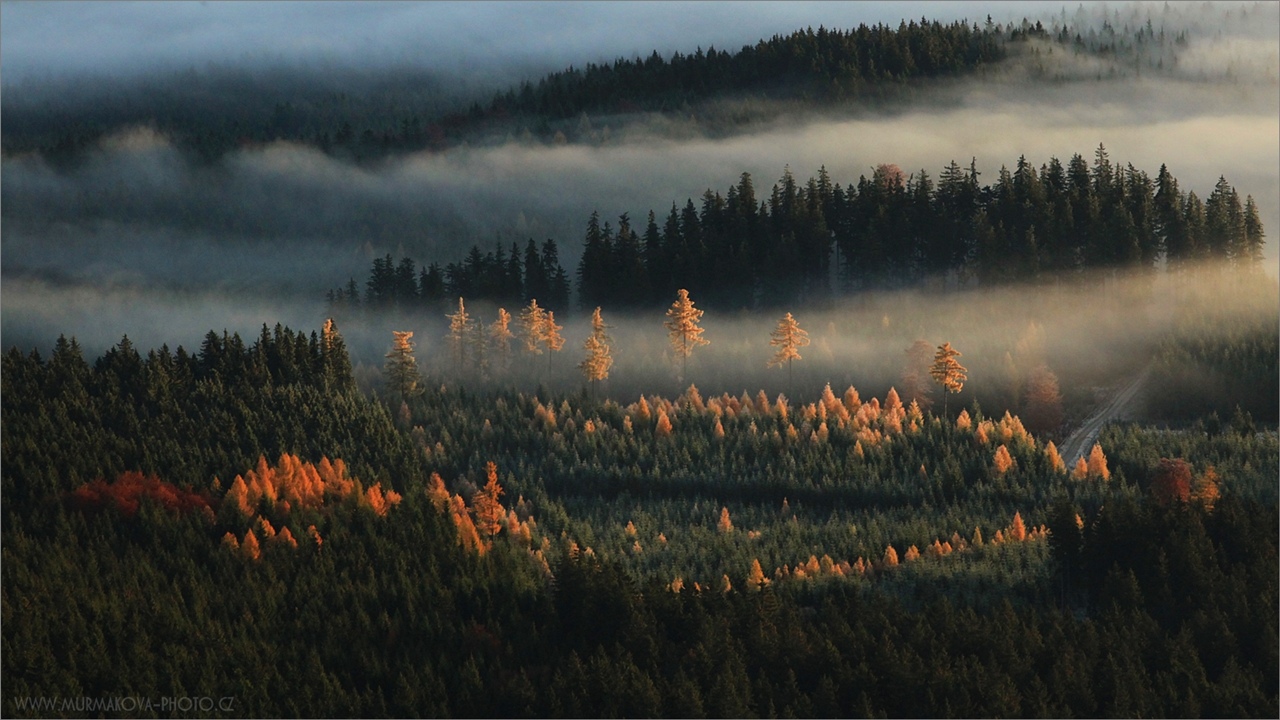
401 368
598 361
460 328
682 326
787 337
334 360
947 372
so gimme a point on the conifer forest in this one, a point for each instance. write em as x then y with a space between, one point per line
629 359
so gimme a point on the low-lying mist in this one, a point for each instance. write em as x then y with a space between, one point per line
138 239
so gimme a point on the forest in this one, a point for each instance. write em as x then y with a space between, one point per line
889 441
256 526
808 242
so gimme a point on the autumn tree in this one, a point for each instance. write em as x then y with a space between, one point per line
532 322
460 328
948 372
1098 463
914 373
551 337
755 578
401 368
1003 461
787 337
725 525
598 361
1171 482
1205 488
682 326
489 511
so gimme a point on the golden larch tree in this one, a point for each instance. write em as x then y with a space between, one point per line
1098 463
664 424
1055 460
948 372
489 511
401 368
460 327
1205 489
1018 530
788 338
890 556
598 361
725 525
1003 460
683 329
551 337
755 578
532 320
250 546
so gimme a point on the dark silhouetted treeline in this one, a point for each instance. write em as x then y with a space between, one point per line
210 113
806 241
819 65
500 275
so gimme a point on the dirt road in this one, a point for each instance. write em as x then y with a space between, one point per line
1082 440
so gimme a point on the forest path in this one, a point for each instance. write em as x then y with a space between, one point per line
1082 440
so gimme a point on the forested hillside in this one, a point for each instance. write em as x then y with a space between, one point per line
240 523
806 242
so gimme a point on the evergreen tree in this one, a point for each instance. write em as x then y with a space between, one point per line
460 330
401 367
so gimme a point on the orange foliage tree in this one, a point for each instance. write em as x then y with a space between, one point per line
489 511
683 329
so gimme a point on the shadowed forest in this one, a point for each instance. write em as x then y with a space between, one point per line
393 390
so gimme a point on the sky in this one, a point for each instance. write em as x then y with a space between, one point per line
43 39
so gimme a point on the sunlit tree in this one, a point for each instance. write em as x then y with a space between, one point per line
1098 463
788 338
401 368
725 525
682 327
489 511
598 361
532 322
551 338
948 372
